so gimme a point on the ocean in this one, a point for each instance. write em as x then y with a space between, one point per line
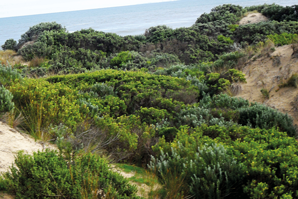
126 20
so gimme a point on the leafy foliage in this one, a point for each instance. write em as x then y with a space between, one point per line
33 33
8 75
154 96
267 156
6 103
47 174
209 171
277 12
9 44
283 39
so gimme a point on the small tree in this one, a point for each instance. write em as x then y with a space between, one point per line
9 44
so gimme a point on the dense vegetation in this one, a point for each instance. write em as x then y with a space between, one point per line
162 100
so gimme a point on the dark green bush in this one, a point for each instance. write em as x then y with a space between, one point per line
227 12
261 116
280 13
254 33
67 60
9 44
158 33
33 33
37 49
47 174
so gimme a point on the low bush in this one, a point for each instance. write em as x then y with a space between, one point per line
43 103
224 39
46 175
267 156
293 81
8 75
6 103
261 116
121 58
35 31
37 49
265 93
209 171
9 44
283 39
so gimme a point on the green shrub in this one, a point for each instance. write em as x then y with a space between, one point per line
158 33
283 39
43 103
277 12
254 33
9 44
261 116
209 171
268 156
6 103
67 60
137 89
227 12
265 93
121 58
102 89
37 49
233 27
152 115
197 116
235 76
47 174
35 31
8 75
226 40
293 81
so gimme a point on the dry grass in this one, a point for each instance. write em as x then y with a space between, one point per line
13 118
250 12
236 88
36 61
10 56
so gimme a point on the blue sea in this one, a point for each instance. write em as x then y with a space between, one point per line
126 20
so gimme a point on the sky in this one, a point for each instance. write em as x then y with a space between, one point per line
12 8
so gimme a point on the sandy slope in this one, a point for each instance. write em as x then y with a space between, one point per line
268 73
12 141
253 18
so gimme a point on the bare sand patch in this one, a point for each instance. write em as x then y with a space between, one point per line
268 73
12 141
253 18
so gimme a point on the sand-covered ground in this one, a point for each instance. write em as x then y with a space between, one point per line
253 18
269 72
12 141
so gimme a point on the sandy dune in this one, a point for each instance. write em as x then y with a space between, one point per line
12 141
268 73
